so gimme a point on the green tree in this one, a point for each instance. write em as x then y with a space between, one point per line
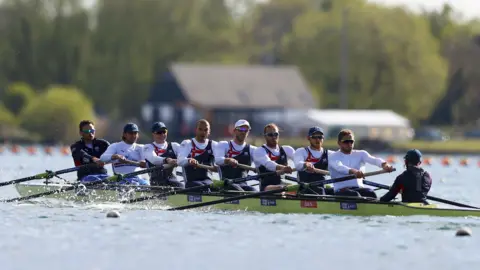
55 114
392 58
17 96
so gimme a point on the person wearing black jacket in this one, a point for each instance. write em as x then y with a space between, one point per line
88 151
414 183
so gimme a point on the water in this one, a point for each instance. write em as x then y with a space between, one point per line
66 236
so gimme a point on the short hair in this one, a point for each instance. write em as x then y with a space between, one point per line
271 125
84 123
203 121
343 133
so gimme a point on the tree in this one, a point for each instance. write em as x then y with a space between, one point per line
393 60
55 114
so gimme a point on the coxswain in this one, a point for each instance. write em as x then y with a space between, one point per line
414 183
347 161
161 152
272 157
307 159
88 151
127 156
228 154
197 151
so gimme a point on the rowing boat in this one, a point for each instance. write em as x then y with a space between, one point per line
306 204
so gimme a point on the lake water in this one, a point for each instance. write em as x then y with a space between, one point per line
68 237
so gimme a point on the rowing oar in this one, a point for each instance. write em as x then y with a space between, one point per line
47 174
216 184
374 184
117 177
285 188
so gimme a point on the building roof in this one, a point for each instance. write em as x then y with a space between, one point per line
226 86
373 118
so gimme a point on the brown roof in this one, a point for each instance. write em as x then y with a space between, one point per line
226 86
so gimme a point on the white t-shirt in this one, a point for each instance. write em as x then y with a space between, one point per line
220 152
152 157
133 152
339 164
261 157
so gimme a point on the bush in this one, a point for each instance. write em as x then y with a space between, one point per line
55 114
6 117
17 96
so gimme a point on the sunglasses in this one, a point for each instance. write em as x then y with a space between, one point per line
243 129
272 134
160 132
317 137
89 131
349 141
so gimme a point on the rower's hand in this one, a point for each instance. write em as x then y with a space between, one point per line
98 161
142 164
231 161
387 167
309 167
117 157
171 161
287 169
193 162
357 173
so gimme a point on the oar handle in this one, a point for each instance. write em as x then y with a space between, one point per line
246 167
207 167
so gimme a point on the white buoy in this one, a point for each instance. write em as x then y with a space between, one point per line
464 232
113 214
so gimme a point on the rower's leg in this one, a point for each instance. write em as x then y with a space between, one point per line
190 184
329 191
347 192
246 187
366 192
235 187
94 177
175 183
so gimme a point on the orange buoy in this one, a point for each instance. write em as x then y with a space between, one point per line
65 150
445 161
31 150
15 149
427 161
464 162
48 150
391 159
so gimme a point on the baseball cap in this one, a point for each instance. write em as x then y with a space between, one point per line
413 156
242 122
130 127
157 126
314 130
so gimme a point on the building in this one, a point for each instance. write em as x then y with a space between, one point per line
384 125
223 94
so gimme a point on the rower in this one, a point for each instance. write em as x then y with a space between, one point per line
197 151
229 154
87 151
306 159
272 157
347 161
161 152
127 155
414 183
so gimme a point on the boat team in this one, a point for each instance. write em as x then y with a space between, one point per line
224 157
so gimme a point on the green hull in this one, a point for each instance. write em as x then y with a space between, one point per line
267 204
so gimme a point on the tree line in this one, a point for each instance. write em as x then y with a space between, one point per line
421 65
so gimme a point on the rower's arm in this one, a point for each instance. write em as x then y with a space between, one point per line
337 165
219 152
261 159
150 155
299 158
107 155
371 159
393 191
185 149
176 148
79 154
